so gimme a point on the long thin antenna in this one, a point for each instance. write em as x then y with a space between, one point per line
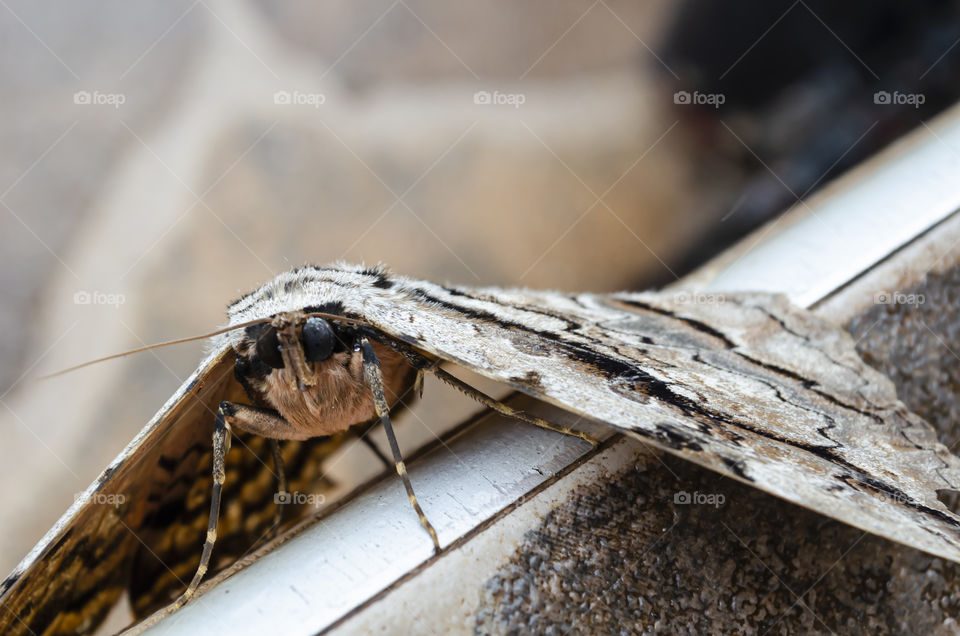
355 321
155 346
191 339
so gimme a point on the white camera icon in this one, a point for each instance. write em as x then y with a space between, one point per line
281 97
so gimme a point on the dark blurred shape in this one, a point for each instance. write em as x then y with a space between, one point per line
806 89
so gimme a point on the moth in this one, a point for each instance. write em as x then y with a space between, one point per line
746 385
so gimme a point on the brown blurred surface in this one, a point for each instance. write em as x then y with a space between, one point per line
200 185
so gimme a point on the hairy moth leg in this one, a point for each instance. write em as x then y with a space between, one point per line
251 419
365 429
259 421
374 379
269 424
504 409
279 501
241 372
221 443
363 434
281 488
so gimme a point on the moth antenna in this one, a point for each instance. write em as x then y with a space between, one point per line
353 321
191 339
155 346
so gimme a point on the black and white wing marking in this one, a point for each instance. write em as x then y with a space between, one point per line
748 386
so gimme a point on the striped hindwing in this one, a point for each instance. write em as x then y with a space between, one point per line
75 574
150 543
171 536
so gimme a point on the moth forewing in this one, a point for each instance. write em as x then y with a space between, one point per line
744 384
748 385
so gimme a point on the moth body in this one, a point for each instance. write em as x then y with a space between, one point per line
315 382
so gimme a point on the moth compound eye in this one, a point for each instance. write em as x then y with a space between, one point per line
268 347
318 339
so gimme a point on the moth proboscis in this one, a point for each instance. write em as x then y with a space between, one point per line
746 385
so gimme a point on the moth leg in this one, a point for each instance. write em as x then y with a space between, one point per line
363 434
281 487
364 429
281 502
503 409
418 383
269 424
259 421
376 451
242 372
221 444
374 379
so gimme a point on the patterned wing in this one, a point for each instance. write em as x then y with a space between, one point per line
172 536
72 578
746 385
141 525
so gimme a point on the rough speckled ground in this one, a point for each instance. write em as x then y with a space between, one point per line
628 557
916 344
625 558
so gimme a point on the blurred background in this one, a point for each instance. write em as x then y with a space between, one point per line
159 159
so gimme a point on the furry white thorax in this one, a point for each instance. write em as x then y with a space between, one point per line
352 286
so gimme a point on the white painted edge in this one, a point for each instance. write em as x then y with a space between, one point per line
817 246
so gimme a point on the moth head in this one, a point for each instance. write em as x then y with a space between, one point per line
297 342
